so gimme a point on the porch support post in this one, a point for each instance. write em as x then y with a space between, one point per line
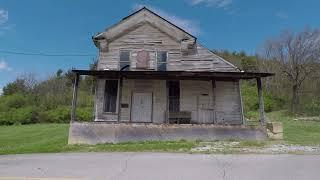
261 103
74 97
120 97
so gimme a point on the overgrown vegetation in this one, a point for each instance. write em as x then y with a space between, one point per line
27 100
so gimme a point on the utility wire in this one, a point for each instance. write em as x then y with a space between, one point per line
45 54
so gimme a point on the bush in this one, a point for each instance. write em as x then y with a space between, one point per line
13 101
312 107
62 114
25 115
250 99
85 114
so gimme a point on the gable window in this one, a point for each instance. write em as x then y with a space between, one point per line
125 60
110 96
162 57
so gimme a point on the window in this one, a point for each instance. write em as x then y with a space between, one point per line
162 57
110 96
125 60
174 96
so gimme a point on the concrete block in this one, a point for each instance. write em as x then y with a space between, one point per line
103 132
275 127
274 136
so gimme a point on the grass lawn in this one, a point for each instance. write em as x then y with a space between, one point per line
297 132
43 138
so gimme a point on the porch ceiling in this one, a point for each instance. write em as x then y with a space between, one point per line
200 75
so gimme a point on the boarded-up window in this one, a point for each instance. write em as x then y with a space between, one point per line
110 96
162 57
174 96
143 58
125 60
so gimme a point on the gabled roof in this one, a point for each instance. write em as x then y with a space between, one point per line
144 15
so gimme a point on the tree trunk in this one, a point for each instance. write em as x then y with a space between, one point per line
295 99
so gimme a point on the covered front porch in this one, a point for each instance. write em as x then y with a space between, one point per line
147 106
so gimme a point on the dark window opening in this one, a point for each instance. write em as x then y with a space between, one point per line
125 60
174 96
162 57
111 93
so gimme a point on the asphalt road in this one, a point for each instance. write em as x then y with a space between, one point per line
158 166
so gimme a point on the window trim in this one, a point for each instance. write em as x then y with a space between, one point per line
168 96
130 55
104 97
157 63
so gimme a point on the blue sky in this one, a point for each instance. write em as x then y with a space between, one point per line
66 27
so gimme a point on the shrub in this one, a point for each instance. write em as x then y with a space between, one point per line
25 115
312 107
85 114
62 114
250 99
58 115
13 101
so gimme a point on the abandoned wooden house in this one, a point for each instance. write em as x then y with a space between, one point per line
156 82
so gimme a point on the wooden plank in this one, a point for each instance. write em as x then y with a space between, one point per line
227 103
120 99
74 97
147 37
261 103
141 107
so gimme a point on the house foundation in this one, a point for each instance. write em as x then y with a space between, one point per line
102 132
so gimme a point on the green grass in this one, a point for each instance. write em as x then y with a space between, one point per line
45 138
33 138
252 143
297 132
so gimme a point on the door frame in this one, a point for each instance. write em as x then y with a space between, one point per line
132 92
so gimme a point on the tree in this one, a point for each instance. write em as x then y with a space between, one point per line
298 55
59 73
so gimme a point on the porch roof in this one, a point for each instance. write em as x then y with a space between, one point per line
172 74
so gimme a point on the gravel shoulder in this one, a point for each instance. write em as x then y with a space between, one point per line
253 147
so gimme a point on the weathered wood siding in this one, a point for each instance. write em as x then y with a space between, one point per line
156 87
100 115
228 108
149 38
197 97
220 104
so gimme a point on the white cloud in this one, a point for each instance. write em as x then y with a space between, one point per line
4 25
282 15
188 25
212 3
4 66
4 16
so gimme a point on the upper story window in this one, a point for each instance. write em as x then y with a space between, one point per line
125 60
162 57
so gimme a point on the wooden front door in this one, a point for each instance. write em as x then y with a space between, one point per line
205 110
141 107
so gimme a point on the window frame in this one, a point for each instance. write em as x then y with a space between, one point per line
157 63
117 99
125 50
178 97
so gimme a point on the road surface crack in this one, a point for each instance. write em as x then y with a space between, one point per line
124 167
